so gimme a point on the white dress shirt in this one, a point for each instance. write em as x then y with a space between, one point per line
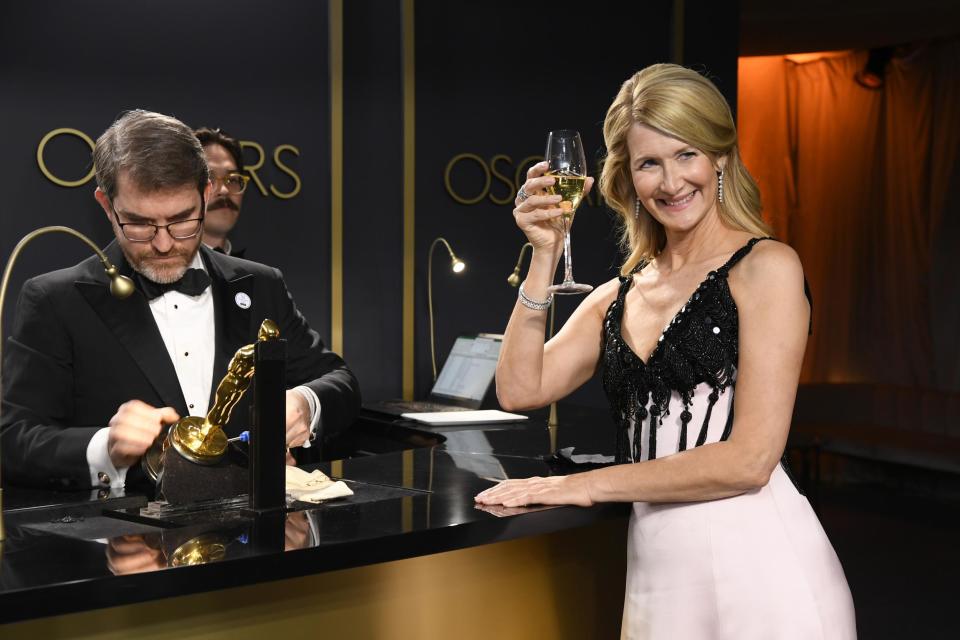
186 324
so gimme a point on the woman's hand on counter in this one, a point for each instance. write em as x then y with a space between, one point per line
554 490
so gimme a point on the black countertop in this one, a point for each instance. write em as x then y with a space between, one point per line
68 552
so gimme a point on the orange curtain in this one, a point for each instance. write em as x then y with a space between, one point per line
864 185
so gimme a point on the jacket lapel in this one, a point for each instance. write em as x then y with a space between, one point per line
232 293
133 325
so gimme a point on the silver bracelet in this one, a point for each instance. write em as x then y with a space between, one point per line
536 305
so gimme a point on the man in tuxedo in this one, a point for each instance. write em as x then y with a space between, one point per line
90 380
225 161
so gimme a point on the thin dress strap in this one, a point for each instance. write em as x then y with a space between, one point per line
640 266
739 254
626 281
743 251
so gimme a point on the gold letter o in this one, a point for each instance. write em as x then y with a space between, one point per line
486 174
43 167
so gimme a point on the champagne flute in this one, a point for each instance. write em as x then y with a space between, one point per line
568 168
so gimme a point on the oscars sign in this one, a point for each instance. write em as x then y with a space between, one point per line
251 169
470 179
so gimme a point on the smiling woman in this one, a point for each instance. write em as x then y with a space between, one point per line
682 117
676 184
706 322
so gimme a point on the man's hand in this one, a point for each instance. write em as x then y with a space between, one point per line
132 554
298 419
296 531
133 428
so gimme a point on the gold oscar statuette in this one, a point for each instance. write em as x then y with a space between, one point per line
202 440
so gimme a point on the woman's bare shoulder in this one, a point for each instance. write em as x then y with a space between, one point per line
769 262
769 273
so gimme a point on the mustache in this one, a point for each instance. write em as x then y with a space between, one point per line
173 253
223 203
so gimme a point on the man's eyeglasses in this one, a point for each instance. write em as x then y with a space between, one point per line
146 231
234 182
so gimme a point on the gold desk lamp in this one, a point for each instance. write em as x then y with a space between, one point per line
120 287
514 281
457 266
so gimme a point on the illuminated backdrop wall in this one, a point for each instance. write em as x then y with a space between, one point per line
373 126
260 74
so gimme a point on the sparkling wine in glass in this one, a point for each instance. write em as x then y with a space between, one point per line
568 167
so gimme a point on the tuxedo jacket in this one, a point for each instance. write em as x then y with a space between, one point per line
76 353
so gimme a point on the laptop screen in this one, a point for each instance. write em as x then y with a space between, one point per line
469 369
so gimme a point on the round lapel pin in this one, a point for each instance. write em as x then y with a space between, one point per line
242 300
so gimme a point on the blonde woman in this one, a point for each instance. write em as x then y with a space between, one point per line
699 345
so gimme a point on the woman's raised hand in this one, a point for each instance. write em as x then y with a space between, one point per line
538 214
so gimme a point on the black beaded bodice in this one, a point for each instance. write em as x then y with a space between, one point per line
699 345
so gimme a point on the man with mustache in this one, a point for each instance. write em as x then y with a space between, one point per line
90 381
225 159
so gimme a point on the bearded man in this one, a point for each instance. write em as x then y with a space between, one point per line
90 381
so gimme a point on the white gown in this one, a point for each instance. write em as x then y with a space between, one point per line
754 566
757 566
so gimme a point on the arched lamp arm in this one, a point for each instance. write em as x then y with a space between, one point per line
120 287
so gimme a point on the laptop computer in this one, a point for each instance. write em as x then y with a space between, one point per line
463 382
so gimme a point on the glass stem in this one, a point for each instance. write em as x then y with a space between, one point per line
567 257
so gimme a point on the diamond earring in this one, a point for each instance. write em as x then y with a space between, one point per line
720 186
636 210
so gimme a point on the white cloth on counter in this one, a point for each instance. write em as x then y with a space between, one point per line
314 486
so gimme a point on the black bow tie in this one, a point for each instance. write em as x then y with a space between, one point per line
193 283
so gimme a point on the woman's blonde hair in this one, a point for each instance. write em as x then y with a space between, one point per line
682 104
